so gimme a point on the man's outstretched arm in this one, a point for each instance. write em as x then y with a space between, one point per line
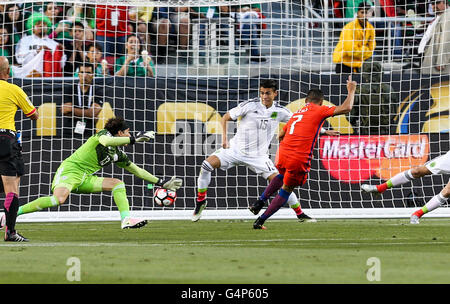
171 184
114 141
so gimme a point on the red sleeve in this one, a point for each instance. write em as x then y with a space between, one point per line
327 111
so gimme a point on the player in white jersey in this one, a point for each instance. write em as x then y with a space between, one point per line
438 165
259 121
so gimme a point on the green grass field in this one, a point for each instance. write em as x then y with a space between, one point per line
329 251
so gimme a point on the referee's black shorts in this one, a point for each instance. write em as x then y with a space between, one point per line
11 162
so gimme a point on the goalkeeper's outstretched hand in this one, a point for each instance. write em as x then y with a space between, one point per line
171 184
145 136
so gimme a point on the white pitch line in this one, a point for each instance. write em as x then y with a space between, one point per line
213 243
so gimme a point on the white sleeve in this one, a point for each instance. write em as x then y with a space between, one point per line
23 53
240 110
286 114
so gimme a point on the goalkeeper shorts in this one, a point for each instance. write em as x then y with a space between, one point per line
77 181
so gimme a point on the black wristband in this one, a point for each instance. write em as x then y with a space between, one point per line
159 183
132 140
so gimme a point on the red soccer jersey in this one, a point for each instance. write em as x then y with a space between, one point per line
111 20
301 133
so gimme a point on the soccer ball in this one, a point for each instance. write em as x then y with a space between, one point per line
164 197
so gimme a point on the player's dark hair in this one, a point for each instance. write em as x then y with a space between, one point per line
364 6
97 46
269 84
77 23
141 46
114 125
314 96
87 64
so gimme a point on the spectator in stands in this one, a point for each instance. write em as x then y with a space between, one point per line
37 16
112 28
375 103
94 55
407 32
142 31
356 42
134 63
30 8
39 50
82 104
61 30
175 20
145 13
75 14
53 12
14 19
5 45
435 44
74 48
250 32
84 13
352 7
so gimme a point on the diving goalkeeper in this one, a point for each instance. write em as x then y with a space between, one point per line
75 174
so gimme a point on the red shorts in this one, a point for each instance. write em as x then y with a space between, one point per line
293 177
294 169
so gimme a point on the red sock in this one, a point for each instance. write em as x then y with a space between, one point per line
419 213
381 188
298 210
201 196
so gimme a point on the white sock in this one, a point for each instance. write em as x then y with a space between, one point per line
292 200
204 177
435 202
401 178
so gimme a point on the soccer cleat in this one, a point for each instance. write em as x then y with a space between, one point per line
199 206
302 217
414 219
2 221
258 224
131 223
14 237
256 206
369 188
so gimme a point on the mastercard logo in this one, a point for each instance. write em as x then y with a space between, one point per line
354 159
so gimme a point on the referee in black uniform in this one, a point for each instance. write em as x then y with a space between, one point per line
12 97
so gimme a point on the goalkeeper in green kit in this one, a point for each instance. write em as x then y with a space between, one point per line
75 174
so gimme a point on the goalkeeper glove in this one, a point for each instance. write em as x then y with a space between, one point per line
171 184
142 137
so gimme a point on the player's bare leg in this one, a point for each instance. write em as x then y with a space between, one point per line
399 179
204 178
435 202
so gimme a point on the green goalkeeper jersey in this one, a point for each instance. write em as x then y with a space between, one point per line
92 155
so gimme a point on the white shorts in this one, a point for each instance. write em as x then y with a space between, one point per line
440 164
261 165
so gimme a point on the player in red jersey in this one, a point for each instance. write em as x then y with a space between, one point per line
297 141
